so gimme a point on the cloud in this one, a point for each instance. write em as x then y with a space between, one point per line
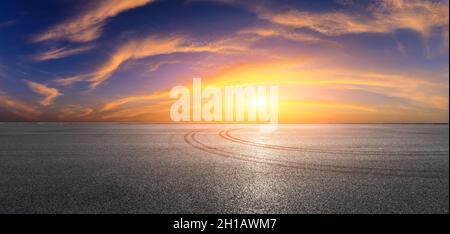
60 53
49 93
145 113
280 32
352 94
75 113
118 110
285 33
435 50
18 108
155 66
426 90
87 25
402 49
152 46
4 24
122 101
330 104
382 17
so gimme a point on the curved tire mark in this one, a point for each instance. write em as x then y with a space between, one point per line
190 138
226 135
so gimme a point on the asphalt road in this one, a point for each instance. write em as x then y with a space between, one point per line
136 168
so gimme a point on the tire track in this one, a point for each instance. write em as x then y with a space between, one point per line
190 138
225 134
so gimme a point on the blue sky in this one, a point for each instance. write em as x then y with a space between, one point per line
114 60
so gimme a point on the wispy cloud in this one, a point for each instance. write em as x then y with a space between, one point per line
7 23
155 66
284 33
361 94
326 71
382 17
75 113
145 113
87 25
16 107
49 93
122 101
60 53
402 49
152 46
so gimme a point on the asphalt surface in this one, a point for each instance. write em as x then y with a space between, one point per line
137 168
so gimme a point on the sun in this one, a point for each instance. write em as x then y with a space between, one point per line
257 102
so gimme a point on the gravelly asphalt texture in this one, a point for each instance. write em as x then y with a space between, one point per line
138 168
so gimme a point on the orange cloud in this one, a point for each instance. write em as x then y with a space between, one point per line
330 105
60 53
49 93
331 90
155 66
87 26
386 17
157 112
282 33
18 108
122 101
75 113
152 46
308 95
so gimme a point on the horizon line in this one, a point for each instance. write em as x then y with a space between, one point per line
145 122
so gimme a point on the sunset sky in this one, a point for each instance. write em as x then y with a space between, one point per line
335 61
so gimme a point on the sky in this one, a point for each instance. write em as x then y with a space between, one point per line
335 61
